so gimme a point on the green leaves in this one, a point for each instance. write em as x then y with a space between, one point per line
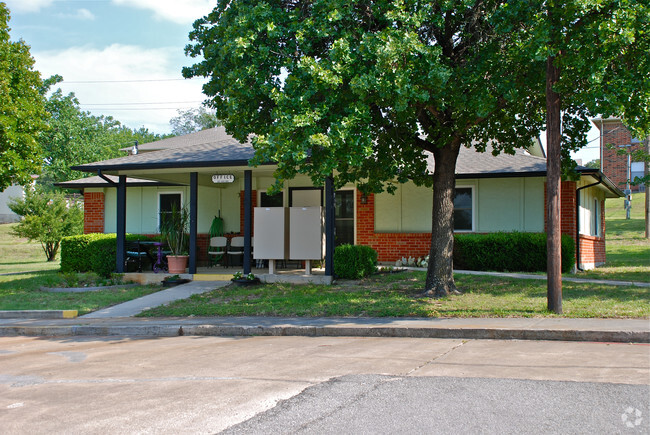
22 114
47 218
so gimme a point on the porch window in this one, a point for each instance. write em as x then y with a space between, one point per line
166 203
463 219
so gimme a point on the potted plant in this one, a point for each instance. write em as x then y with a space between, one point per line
241 279
173 230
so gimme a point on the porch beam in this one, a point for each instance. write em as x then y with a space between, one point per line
248 208
194 188
121 225
329 226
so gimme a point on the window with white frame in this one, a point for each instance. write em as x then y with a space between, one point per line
167 202
595 218
463 209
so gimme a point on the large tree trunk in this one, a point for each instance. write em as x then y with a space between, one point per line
553 178
440 276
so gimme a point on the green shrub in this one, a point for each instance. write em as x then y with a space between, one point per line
92 253
354 261
508 252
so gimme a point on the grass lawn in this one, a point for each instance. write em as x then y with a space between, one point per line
21 291
397 295
628 251
20 255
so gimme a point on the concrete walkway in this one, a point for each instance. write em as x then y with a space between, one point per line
543 278
136 306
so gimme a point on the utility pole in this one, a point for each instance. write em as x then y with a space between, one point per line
647 188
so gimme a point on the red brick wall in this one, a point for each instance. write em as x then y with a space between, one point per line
389 246
592 249
614 165
93 212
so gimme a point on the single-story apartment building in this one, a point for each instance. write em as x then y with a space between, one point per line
208 171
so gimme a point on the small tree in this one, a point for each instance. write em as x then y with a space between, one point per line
47 217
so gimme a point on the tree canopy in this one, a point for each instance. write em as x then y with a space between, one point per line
361 87
193 120
22 112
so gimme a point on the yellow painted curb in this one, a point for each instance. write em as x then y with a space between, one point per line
69 314
212 277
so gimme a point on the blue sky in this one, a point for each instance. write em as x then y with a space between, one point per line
134 48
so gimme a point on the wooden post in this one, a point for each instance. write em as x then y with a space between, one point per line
248 187
194 176
120 254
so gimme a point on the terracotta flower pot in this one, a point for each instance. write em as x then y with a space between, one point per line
177 263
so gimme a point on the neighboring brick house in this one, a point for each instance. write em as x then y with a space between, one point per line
493 193
614 138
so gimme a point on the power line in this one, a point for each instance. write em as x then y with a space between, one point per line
120 81
146 108
133 104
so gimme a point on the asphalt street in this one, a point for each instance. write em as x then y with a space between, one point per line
191 384
441 405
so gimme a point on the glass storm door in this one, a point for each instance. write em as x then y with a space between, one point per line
344 217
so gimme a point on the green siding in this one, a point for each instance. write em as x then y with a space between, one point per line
499 204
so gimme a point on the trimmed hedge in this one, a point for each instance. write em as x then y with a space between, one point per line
508 252
354 261
92 252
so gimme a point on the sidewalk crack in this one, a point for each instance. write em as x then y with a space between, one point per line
434 359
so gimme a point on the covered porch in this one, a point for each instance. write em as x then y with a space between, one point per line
210 179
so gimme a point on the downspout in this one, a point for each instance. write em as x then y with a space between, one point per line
600 180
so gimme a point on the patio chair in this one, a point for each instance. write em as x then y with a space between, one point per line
135 253
217 250
235 250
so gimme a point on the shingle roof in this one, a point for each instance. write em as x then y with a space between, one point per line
224 152
473 163
208 136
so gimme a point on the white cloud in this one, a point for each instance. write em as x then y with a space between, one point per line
127 75
80 14
178 11
27 5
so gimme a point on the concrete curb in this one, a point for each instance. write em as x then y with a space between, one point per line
179 329
38 314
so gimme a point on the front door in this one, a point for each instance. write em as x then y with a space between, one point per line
343 210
